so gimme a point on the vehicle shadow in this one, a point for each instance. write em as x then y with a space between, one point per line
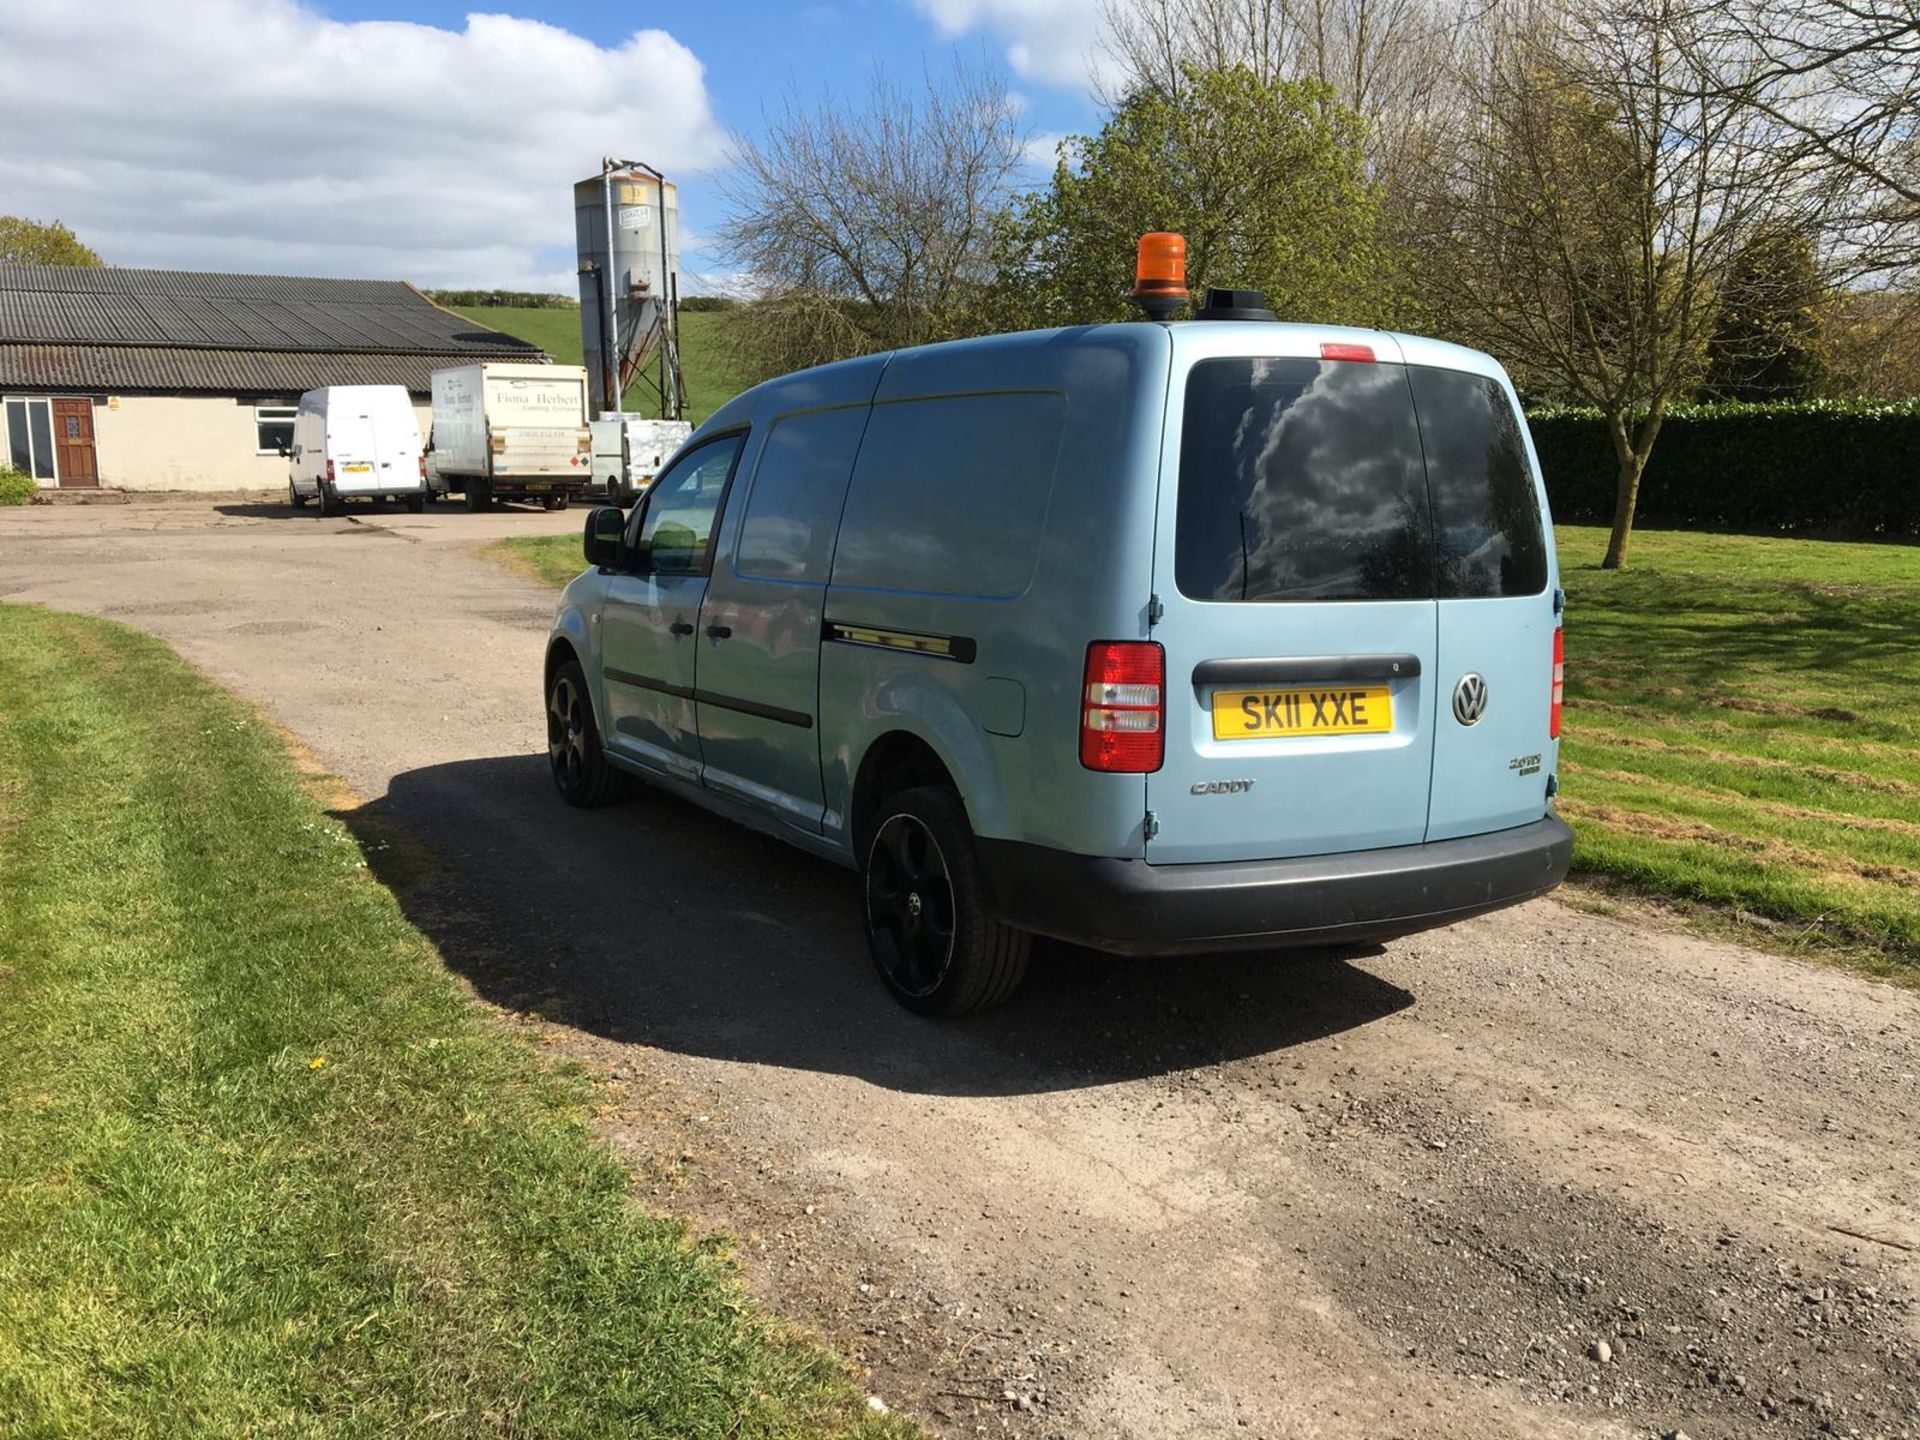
655 922
281 510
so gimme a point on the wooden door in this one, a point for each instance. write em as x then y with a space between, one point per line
73 442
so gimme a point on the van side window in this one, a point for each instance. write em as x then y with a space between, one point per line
684 505
1301 480
799 486
1486 515
950 494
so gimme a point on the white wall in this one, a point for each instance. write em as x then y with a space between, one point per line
187 442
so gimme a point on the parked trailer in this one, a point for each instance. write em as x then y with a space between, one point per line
628 451
504 431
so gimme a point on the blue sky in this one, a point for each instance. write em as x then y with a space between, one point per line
434 141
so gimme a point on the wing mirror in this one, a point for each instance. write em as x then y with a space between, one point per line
605 526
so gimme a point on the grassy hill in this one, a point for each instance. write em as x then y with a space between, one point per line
711 380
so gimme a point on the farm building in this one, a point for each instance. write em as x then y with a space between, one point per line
178 380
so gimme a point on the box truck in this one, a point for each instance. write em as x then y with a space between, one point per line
356 442
628 451
510 431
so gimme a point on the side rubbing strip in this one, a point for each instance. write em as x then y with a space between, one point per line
797 718
941 647
647 682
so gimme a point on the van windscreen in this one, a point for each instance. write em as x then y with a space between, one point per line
1337 480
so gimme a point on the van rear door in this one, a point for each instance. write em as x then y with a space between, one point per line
1494 575
1294 573
353 442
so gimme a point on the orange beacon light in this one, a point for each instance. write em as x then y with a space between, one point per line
1160 274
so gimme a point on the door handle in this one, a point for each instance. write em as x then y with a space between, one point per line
681 627
719 632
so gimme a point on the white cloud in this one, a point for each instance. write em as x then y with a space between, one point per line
1042 150
260 135
1055 41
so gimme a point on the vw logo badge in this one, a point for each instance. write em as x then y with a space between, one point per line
1469 699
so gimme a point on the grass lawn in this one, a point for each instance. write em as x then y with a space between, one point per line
711 380
1742 727
264 1168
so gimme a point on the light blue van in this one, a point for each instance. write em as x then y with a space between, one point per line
1152 637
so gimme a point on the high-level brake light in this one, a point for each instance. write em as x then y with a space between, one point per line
1123 706
1341 350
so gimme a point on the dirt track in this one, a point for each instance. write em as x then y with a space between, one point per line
1404 1194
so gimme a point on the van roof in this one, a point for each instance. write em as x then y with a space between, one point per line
1188 336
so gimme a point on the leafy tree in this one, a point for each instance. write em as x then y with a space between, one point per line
1587 218
1265 178
1768 344
32 242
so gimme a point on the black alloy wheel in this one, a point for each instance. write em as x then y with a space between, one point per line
580 771
910 906
934 938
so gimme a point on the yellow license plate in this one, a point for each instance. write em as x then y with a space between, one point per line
357 467
1307 710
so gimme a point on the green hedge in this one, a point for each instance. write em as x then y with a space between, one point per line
1823 466
15 488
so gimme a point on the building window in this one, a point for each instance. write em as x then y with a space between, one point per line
29 437
273 428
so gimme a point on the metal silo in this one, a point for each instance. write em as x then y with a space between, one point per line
626 223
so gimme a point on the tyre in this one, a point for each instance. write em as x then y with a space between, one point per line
937 946
294 497
330 503
551 502
416 504
479 497
580 770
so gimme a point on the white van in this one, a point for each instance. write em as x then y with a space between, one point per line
356 442
628 451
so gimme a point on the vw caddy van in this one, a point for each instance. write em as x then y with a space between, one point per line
356 442
1153 637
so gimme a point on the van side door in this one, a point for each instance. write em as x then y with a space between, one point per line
648 618
759 669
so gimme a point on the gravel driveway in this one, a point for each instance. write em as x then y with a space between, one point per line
1545 1173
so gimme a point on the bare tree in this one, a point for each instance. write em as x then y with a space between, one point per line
1841 80
1385 59
1591 206
868 224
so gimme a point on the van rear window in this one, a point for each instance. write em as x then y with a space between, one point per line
1486 517
1335 480
1301 480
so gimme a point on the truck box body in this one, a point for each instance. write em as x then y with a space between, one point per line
510 429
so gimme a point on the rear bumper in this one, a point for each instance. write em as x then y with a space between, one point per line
1133 908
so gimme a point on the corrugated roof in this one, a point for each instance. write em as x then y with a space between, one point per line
225 372
57 305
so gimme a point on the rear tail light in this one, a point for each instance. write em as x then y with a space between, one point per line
1558 693
1123 706
329 472
423 466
